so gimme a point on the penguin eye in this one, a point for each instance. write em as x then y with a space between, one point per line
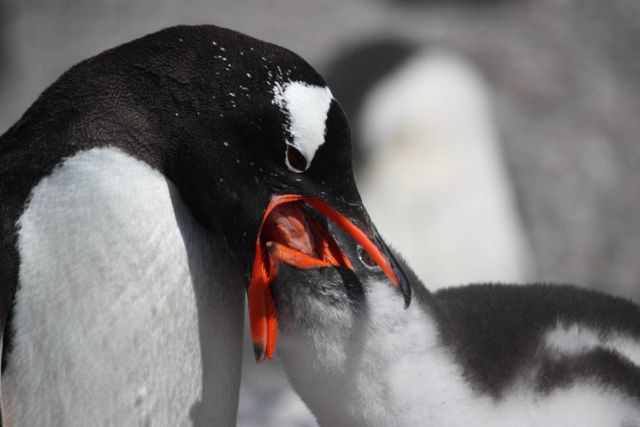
366 259
295 160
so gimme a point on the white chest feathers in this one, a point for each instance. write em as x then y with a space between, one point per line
127 313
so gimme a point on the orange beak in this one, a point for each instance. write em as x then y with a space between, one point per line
269 253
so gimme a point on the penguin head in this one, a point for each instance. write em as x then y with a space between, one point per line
255 142
282 155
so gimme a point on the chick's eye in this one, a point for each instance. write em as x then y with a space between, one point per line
295 160
366 259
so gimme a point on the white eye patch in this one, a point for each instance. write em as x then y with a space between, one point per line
306 107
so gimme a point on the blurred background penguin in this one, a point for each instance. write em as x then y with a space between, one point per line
430 166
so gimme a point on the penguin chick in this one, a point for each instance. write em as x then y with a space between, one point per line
481 355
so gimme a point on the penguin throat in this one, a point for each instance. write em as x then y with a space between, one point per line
291 235
291 226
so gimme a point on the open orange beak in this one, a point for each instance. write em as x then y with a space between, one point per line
288 235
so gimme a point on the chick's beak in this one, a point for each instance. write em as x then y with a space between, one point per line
288 234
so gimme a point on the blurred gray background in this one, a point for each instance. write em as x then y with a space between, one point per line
563 76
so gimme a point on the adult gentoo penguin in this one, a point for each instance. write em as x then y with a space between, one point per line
134 196
481 355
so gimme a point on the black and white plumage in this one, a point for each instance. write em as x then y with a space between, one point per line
132 193
481 355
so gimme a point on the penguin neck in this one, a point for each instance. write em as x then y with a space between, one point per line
347 372
185 156
174 126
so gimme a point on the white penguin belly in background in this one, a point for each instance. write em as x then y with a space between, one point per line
436 185
124 303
